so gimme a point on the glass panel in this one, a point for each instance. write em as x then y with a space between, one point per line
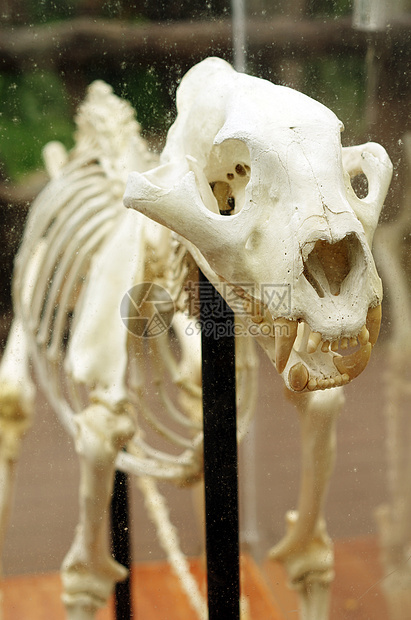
354 59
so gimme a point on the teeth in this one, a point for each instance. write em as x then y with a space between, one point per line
325 346
344 343
363 336
324 383
285 334
373 323
298 377
314 340
312 384
353 365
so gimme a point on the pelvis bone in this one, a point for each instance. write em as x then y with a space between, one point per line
253 176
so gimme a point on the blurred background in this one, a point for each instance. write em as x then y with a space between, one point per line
353 57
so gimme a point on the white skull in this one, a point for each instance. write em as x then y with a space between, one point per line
272 159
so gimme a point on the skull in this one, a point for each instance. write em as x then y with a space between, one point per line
253 176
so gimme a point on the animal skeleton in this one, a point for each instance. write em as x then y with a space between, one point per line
256 186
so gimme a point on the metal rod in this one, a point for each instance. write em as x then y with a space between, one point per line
239 35
220 454
120 540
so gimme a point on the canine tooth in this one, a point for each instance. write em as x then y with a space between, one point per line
325 347
334 345
345 378
373 323
285 334
353 342
353 365
314 340
344 343
298 377
338 380
363 336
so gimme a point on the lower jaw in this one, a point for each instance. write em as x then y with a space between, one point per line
339 371
314 366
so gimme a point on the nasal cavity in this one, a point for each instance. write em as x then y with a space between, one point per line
328 264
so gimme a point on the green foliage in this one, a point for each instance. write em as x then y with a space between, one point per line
34 110
143 88
145 91
34 107
46 11
339 83
329 8
43 11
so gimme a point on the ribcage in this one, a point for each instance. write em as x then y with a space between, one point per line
68 223
74 226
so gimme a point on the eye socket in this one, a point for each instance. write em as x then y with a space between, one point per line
359 184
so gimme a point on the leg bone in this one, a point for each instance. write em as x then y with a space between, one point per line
306 550
89 571
16 413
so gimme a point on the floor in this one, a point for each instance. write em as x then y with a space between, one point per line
37 597
42 595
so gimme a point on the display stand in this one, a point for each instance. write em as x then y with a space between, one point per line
120 540
220 454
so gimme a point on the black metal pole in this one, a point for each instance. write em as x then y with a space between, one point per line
120 540
220 454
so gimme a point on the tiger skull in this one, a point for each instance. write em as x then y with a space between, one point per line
254 178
